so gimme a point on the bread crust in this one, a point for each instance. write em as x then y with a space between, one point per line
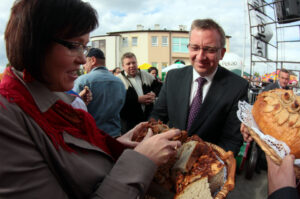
277 113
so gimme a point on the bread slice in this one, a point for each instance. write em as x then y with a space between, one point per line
199 189
187 155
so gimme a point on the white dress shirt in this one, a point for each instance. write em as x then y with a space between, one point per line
206 86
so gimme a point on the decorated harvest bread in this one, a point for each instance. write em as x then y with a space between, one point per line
196 171
277 113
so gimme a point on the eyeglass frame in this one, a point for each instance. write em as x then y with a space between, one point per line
79 47
206 49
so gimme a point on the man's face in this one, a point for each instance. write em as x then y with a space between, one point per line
205 51
130 66
284 79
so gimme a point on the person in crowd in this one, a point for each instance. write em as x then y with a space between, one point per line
108 92
179 61
116 71
48 149
283 80
78 101
184 90
153 71
141 91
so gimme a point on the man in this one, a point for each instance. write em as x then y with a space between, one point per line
141 91
215 121
108 93
283 80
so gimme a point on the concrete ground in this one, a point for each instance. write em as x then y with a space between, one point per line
255 188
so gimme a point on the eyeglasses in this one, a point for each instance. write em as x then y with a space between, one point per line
206 49
75 48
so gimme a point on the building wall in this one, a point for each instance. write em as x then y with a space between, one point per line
112 46
158 54
141 50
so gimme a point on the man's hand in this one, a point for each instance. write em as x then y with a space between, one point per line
281 176
86 95
245 132
147 99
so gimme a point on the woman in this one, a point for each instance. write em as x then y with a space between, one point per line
47 148
154 72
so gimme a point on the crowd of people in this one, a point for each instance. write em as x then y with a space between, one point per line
64 136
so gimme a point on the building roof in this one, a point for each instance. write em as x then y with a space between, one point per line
118 33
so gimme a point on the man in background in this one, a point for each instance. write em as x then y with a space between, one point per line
283 80
141 91
108 93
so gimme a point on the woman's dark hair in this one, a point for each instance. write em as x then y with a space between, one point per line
33 25
151 69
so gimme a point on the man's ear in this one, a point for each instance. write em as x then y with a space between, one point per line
223 50
93 60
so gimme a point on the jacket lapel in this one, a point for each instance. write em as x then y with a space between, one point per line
212 99
184 99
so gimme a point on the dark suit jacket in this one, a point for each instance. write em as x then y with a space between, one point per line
286 192
217 120
273 86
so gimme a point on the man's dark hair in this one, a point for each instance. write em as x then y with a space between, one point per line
127 55
209 24
33 25
284 71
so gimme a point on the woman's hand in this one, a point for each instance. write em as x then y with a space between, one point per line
126 139
159 148
245 132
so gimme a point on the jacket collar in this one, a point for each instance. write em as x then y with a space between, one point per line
42 96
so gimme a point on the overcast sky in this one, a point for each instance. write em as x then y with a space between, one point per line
120 15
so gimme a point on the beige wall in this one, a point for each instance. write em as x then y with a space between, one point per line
144 51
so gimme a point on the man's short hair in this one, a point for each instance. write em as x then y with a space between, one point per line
127 55
209 24
284 71
96 52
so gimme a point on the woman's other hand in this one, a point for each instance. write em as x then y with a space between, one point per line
159 148
126 139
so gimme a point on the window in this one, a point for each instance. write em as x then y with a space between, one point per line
134 41
165 41
95 44
179 44
154 64
125 42
164 65
154 41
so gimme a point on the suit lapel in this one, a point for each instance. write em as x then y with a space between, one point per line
182 90
214 95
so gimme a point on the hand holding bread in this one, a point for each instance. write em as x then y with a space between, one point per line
159 148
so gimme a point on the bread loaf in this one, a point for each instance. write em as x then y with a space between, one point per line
191 172
277 113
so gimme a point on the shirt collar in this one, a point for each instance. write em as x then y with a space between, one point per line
43 97
137 73
99 67
209 78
